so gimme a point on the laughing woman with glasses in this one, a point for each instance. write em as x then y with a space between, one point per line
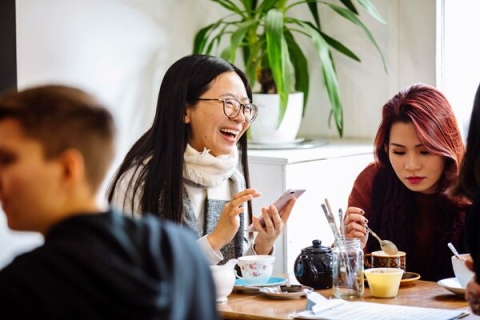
191 165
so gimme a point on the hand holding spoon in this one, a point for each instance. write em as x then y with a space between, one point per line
387 246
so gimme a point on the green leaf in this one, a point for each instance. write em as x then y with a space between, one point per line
266 6
201 42
249 6
300 67
230 6
278 57
250 65
214 42
333 43
337 45
350 6
237 38
329 75
372 10
225 54
201 39
312 6
353 18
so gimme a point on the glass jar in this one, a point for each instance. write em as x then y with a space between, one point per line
348 282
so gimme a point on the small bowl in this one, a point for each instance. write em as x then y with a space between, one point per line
384 282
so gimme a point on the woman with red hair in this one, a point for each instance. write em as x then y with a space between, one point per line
402 195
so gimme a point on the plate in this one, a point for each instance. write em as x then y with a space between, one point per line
452 285
241 285
279 292
408 278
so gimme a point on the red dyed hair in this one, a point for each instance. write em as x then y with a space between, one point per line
435 124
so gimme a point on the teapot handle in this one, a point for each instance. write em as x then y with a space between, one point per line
299 269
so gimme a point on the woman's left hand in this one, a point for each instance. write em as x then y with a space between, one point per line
472 292
274 225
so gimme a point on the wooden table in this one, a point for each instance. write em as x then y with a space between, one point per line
256 306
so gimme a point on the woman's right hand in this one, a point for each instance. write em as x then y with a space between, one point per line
355 222
229 221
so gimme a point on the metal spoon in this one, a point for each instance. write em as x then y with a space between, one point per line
455 252
387 246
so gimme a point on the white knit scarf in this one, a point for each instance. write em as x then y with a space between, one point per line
204 169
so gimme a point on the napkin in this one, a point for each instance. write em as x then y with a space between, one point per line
317 303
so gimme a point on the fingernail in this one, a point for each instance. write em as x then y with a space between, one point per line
366 220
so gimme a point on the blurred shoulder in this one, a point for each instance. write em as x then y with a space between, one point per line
154 227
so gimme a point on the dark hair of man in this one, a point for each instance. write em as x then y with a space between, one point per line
165 142
469 178
61 117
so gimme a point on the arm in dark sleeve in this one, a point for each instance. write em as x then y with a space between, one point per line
361 194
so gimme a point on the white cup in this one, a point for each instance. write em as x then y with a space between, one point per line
462 273
256 269
384 282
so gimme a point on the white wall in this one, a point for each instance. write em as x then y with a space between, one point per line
460 56
120 49
408 43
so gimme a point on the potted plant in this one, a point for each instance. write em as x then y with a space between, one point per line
265 32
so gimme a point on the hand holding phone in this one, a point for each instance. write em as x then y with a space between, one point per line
280 203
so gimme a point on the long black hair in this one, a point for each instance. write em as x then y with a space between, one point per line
165 142
469 184
469 178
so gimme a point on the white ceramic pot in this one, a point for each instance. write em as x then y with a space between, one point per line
224 278
266 129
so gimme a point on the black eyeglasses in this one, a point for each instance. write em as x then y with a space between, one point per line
232 107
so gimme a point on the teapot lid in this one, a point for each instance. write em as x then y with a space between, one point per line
317 247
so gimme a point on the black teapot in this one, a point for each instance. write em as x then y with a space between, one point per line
313 267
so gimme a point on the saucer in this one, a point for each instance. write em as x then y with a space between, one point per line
241 285
452 285
408 278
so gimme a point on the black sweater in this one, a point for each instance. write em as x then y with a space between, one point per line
107 266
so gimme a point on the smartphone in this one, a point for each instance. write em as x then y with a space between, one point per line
280 203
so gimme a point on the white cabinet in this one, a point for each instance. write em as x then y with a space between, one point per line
327 171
